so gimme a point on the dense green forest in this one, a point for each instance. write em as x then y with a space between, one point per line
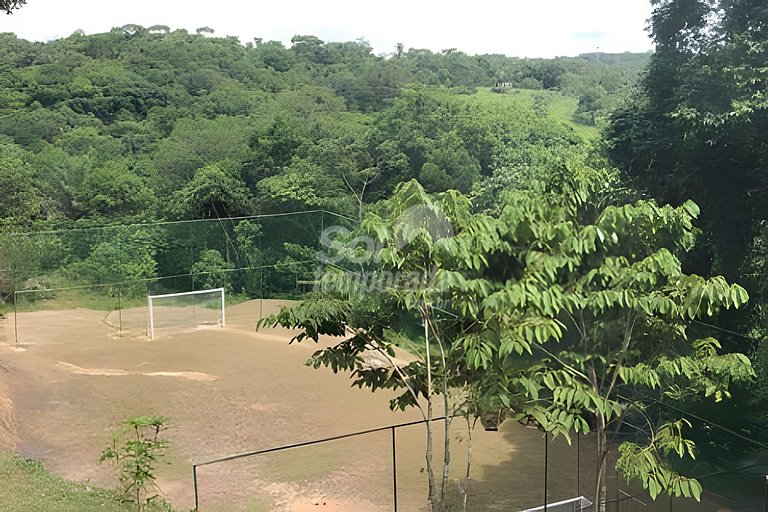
140 124
537 162
147 125
696 129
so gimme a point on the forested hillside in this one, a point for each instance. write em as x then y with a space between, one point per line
148 123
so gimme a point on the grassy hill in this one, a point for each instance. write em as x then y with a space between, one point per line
558 106
26 485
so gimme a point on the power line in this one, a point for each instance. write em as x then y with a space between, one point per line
723 329
165 223
709 422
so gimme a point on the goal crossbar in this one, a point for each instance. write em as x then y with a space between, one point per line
151 299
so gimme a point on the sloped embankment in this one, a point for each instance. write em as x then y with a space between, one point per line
8 438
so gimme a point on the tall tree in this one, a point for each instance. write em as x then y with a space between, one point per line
699 129
9 5
212 193
570 309
608 273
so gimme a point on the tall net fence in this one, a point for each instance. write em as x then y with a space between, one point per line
107 272
384 470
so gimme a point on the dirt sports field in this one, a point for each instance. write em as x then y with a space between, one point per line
72 380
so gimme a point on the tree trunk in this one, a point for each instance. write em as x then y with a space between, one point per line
601 491
602 448
465 486
431 504
444 483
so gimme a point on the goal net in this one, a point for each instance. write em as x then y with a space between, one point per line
572 505
186 310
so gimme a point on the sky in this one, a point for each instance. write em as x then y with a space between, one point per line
538 28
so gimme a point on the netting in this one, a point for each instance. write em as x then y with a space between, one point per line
507 472
345 474
186 309
95 255
108 271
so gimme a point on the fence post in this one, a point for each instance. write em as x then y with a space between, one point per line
261 279
16 317
151 319
546 467
194 479
120 310
193 300
261 290
394 468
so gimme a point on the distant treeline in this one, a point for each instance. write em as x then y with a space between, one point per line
148 123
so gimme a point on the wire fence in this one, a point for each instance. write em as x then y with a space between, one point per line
252 293
382 469
110 270
99 255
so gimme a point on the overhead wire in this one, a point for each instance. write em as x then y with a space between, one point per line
224 229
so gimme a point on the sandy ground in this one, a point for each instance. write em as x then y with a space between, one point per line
228 390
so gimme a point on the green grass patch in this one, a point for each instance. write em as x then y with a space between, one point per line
246 506
104 299
311 464
98 299
26 485
559 107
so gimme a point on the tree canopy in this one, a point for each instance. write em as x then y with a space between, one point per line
569 309
9 5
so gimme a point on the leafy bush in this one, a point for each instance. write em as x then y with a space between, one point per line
135 451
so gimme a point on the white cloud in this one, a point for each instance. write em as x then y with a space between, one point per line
543 28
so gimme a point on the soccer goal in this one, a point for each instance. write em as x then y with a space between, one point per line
572 505
186 310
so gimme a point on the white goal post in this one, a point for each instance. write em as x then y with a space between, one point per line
185 300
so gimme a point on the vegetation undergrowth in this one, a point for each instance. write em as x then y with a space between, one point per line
27 485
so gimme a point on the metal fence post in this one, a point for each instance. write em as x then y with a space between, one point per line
546 467
16 317
194 477
261 278
193 300
394 468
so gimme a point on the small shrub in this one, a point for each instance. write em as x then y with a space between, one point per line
135 450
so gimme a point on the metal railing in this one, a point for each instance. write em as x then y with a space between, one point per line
391 428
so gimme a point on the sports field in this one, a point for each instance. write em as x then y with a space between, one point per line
233 389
